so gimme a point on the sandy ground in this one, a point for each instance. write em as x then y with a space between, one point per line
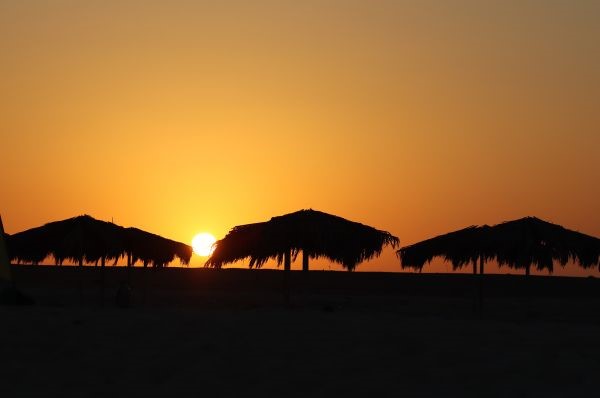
323 345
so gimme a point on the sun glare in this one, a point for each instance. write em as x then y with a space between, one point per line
203 244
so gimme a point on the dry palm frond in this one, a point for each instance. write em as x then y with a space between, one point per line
89 240
520 243
316 233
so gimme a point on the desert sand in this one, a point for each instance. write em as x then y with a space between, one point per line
228 333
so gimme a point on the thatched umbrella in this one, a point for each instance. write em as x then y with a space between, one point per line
241 242
315 233
458 247
85 239
530 242
518 244
154 249
76 239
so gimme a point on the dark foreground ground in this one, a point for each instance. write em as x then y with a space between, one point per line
228 333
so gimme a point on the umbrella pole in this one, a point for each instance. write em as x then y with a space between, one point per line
287 261
304 279
124 291
481 264
129 265
287 266
304 261
145 276
80 269
480 288
526 284
103 280
475 287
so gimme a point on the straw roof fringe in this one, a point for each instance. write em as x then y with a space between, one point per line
316 233
154 249
91 240
519 243
531 241
458 247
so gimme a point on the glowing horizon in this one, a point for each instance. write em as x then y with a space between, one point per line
416 118
387 262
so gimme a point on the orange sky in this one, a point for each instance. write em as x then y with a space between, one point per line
187 116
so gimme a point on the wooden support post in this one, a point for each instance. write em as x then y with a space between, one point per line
80 280
287 266
480 293
103 280
287 261
305 258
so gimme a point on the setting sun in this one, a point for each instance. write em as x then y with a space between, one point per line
203 244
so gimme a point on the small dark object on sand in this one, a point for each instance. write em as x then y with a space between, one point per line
9 295
124 295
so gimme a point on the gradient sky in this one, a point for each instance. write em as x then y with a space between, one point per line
417 117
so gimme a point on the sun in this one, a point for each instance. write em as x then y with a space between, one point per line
203 244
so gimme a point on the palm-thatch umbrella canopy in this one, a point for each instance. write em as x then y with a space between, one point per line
458 247
315 233
530 242
86 239
241 242
154 249
77 239
518 244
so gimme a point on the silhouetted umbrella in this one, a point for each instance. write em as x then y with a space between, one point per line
86 239
315 233
531 241
518 244
153 249
241 242
459 247
77 239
